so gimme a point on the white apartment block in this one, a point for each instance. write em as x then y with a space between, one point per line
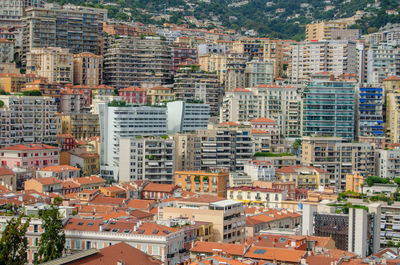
265 197
125 122
259 72
281 104
335 56
382 62
259 170
187 117
149 158
388 163
56 64
26 119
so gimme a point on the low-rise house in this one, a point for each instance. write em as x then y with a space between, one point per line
49 184
61 172
156 191
271 219
90 182
88 162
305 176
8 179
106 256
113 191
208 249
29 156
69 187
161 242
276 255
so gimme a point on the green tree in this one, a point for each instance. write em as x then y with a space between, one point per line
52 240
297 144
32 93
390 244
13 243
397 180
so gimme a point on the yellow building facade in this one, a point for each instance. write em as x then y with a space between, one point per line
354 182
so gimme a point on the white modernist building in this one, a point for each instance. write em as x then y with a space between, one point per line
187 117
124 122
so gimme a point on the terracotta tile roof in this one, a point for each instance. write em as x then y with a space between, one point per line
48 181
113 189
79 224
385 253
264 120
320 241
84 155
281 241
28 147
229 123
59 168
392 78
70 185
87 191
140 204
126 254
274 86
240 90
211 247
292 169
5 171
275 254
101 199
255 131
160 187
318 260
138 214
154 229
221 260
94 208
337 253
89 180
160 88
3 189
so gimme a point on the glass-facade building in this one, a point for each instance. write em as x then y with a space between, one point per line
328 109
370 111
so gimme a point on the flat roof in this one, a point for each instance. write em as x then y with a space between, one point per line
225 203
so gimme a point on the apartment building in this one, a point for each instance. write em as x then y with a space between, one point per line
391 83
216 62
191 84
158 94
77 30
323 30
142 62
328 109
263 49
150 158
281 104
161 242
6 51
27 119
234 76
88 69
79 125
338 158
390 228
357 231
369 112
262 197
212 183
388 163
214 148
382 62
393 116
259 72
61 172
122 121
305 177
354 182
320 152
187 117
29 156
88 162
259 170
227 216
183 54
11 11
55 64
336 57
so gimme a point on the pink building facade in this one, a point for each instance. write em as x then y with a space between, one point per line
29 156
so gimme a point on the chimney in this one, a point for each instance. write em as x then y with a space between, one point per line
101 228
120 262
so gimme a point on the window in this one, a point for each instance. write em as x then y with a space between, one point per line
35 228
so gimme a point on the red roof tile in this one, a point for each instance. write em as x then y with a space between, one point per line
28 147
160 187
211 247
